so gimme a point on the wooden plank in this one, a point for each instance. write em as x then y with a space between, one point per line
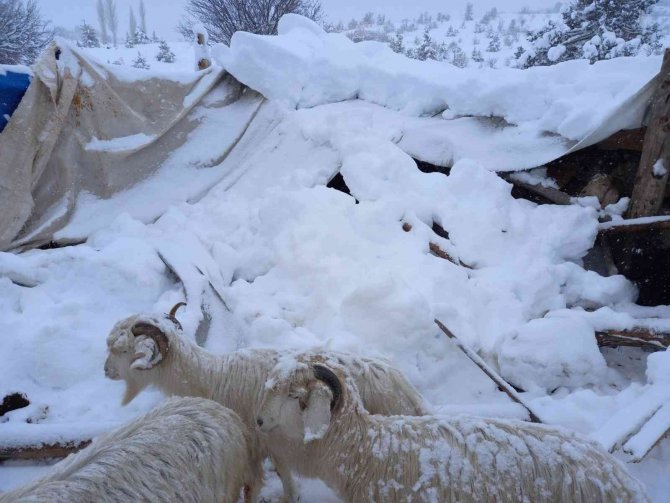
649 188
550 194
644 224
630 139
492 374
46 451
649 435
636 337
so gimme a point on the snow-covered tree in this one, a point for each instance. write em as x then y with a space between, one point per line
87 35
494 43
594 30
426 50
489 16
154 37
130 41
141 62
102 21
112 19
132 26
222 18
164 53
476 55
451 31
456 56
23 32
397 44
469 12
143 17
141 37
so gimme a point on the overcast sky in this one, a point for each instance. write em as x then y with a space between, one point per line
163 15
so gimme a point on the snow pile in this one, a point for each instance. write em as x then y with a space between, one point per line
304 66
549 353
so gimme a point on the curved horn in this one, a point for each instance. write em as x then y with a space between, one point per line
329 378
155 333
171 315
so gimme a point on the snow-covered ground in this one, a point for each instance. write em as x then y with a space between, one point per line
303 265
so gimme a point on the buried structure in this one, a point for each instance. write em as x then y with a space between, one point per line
477 197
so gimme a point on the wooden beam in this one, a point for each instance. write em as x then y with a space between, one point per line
636 337
650 181
635 225
46 451
550 194
630 139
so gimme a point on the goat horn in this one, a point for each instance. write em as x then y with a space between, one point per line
155 333
171 315
329 378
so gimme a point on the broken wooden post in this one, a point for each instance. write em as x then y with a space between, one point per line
500 382
652 174
635 337
45 451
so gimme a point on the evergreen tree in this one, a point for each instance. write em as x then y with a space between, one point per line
154 37
397 44
140 62
594 29
129 41
451 32
87 35
469 12
457 56
477 55
494 43
141 37
426 50
164 53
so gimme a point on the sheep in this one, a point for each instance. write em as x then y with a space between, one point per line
147 349
314 410
186 449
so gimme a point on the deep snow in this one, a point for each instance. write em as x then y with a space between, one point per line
302 265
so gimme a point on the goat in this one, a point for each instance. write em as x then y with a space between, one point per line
314 411
186 449
146 349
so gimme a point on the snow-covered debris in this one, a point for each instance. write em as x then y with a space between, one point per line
304 67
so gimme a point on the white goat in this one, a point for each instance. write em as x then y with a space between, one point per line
186 449
314 410
146 350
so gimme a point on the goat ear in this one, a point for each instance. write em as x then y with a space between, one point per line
146 353
316 417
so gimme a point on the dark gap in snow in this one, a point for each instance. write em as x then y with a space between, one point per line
426 167
644 258
13 401
338 183
440 231
52 245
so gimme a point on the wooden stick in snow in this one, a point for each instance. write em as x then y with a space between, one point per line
637 337
652 173
500 382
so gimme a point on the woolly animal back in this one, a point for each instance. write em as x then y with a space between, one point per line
186 441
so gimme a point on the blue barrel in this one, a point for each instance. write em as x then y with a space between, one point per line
12 88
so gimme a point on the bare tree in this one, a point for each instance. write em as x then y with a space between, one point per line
143 17
102 21
112 19
222 18
132 26
23 32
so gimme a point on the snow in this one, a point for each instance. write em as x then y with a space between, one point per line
121 144
243 206
304 68
658 169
